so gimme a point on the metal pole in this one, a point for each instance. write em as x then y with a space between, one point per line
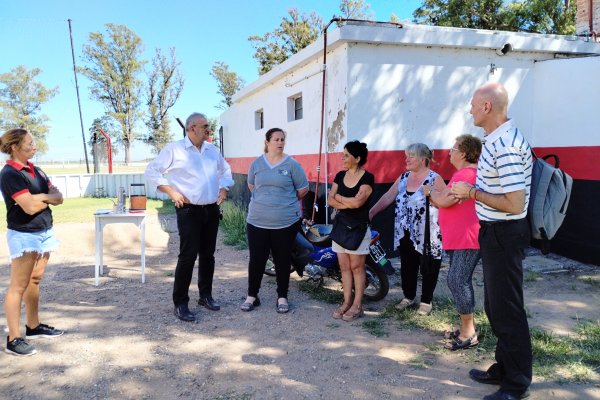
87 163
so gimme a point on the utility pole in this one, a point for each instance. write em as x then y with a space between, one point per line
87 163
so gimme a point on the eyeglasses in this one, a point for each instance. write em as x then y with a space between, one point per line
453 149
206 126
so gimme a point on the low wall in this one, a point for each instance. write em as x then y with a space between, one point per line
100 185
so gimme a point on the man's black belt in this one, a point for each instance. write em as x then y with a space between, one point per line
200 205
499 222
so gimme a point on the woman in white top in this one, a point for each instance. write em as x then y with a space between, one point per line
409 228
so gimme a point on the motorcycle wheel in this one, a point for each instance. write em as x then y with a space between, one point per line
378 284
270 267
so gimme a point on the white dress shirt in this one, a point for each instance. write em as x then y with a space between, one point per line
196 174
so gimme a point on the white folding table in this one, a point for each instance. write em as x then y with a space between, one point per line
105 217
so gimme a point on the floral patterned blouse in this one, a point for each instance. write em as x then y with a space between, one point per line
410 216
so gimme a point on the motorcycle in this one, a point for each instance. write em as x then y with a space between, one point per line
312 254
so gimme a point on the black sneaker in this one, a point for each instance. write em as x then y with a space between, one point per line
19 347
42 331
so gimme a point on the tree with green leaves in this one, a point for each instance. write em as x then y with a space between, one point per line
356 9
477 14
112 63
543 16
539 16
21 100
293 34
165 85
228 82
214 127
98 144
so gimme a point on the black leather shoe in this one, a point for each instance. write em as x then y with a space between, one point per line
183 313
504 395
483 377
209 303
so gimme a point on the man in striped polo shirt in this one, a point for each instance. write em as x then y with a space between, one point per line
502 195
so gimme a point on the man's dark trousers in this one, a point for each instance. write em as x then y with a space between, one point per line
198 226
503 249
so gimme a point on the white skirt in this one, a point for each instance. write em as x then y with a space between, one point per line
363 248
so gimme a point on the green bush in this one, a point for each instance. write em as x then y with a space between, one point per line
234 225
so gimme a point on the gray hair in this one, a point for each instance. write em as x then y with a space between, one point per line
420 150
192 118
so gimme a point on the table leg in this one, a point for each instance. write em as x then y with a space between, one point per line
98 251
143 239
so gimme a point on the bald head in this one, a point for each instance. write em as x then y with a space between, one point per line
496 94
489 106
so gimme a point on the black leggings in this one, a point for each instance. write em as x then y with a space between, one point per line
409 271
279 243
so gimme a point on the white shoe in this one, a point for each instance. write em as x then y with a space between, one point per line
404 304
424 309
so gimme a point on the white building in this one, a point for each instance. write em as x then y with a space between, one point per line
390 85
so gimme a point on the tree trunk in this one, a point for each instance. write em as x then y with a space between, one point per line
127 152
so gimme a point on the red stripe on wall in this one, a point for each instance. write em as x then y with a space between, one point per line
579 162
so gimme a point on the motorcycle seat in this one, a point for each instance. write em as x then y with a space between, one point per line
319 233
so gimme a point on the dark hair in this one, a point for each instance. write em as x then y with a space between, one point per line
10 137
358 149
270 133
470 146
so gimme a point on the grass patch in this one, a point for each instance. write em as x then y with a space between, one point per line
531 276
566 359
321 293
375 327
591 280
82 209
420 362
234 225
574 359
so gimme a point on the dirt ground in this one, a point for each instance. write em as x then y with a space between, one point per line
122 340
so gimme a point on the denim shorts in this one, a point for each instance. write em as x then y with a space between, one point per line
30 242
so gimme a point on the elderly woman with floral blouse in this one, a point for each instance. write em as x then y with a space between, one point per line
409 227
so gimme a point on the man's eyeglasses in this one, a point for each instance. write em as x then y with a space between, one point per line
206 126
453 149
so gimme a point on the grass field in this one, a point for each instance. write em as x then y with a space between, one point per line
82 209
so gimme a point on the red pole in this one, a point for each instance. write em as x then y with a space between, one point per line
108 151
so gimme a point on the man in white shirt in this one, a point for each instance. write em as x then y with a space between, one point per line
197 178
502 195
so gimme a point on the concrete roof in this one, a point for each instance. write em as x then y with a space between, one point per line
427 36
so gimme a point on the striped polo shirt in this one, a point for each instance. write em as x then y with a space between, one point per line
504 166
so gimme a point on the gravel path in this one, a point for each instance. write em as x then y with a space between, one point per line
123 342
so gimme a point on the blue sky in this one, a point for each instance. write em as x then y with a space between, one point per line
35 33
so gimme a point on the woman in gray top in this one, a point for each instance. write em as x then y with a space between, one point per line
277 183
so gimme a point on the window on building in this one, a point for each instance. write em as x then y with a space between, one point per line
298 108
259 121
294 106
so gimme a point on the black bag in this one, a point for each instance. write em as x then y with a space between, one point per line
347 232
426 260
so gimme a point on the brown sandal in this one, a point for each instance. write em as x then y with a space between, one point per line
351 315
340 311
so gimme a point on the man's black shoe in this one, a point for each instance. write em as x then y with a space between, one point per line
183 313
209 303
483 377
504 395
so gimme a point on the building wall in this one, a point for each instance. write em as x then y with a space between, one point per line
401 95
583 16
242 139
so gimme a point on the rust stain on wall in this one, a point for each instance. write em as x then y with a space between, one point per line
336 131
